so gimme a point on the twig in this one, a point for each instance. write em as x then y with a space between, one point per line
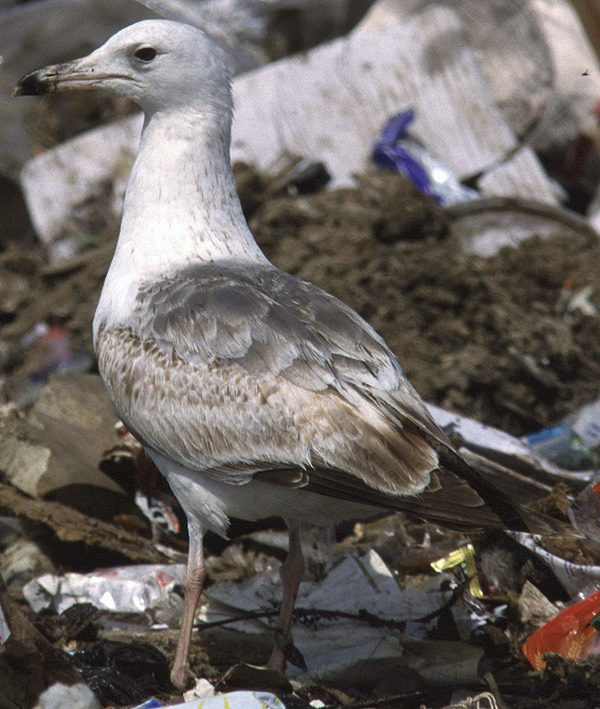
309 616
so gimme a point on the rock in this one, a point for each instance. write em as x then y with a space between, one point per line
54 452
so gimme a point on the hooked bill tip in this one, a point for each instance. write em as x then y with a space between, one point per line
31 85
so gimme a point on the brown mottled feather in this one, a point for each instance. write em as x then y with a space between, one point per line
237 374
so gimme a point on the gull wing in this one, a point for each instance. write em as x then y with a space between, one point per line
259 373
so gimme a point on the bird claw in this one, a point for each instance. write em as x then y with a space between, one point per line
182 676
291 653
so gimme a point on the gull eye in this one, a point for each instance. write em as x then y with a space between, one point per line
145 54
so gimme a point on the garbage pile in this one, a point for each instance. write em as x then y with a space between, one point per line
435 165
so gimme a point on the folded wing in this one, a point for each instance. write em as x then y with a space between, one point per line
257 373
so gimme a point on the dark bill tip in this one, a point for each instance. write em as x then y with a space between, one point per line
31 84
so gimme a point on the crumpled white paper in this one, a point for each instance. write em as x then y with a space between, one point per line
578 580
127 589
333 649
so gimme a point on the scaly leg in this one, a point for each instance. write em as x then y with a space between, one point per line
181 674
291 574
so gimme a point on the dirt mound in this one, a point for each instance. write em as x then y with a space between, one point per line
491 338
488 337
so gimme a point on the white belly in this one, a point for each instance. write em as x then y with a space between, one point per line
212 503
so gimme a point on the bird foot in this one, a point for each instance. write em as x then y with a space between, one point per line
285 650
182 676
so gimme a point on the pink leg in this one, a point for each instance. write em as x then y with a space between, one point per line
181 674
291 574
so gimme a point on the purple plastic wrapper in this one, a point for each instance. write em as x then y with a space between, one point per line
395 150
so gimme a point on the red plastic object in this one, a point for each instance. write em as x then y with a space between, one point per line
569 634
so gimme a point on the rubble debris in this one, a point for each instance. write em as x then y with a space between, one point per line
69 295
586 421
463 557
579 580
72 526
583 513
79 623
53 452
28 662
392 63
202 689
334 609
485 700
160 515
531 54
250 677
47 349
561 445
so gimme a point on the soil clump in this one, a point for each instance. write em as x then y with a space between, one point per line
492 338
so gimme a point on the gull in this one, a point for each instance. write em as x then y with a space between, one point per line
255 393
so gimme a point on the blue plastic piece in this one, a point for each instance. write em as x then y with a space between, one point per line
397 150
389 154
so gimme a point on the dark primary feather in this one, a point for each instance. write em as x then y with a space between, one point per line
273 327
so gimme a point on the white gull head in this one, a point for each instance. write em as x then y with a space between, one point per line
163 66
159 64
181 206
